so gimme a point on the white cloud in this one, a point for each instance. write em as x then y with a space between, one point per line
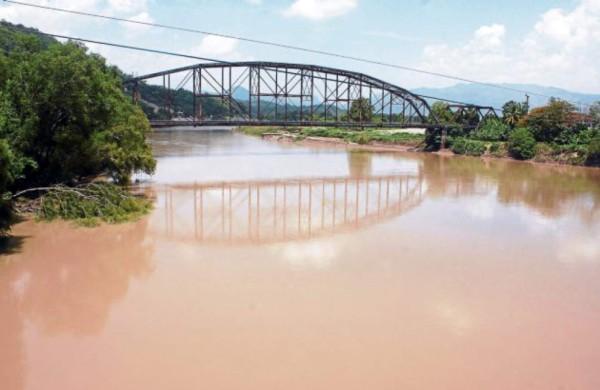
139 63
219 48
490 36
395 36
559 46
320 9
64 23
48 21
133 28
128 6
142 17
254 2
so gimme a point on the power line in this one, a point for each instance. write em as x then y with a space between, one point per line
168 53
137 48
284 46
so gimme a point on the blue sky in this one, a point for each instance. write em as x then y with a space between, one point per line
547 42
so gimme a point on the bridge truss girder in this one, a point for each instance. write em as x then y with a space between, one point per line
477 114
290 94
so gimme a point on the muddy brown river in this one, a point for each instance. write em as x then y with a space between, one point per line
270 266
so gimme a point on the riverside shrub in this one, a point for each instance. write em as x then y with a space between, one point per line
468 147
521 144
491 130
593 152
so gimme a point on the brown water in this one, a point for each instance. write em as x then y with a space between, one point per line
266 266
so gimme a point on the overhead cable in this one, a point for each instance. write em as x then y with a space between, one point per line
285 46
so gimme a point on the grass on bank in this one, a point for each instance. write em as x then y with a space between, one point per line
362 137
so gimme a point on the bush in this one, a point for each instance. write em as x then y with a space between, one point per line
433 137
257 131
575 136
498 149
322 132
544 152
492 130
521 144
593 152
362 139
468 147
397 138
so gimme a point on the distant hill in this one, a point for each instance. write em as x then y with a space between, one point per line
496 97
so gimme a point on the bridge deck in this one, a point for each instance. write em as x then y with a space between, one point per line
236 123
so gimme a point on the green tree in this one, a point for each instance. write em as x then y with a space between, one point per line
11 165
73 119
361 110
512 112
442 112
467 118
4 176
63 117
556 122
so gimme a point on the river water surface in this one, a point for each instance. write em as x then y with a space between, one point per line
270 266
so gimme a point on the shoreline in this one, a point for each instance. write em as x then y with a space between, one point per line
337 143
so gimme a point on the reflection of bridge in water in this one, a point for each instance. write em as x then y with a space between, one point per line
272 211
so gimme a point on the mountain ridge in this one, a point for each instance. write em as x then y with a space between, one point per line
496 97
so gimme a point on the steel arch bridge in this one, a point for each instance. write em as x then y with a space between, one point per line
283 94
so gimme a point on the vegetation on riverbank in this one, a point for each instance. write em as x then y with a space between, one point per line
557 133
367 136
65 121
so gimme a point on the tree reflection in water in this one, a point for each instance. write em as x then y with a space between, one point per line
65 282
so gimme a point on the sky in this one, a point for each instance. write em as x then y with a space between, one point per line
545 42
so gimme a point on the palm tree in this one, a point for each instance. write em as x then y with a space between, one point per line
512 112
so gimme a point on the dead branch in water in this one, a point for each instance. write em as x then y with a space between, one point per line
88 202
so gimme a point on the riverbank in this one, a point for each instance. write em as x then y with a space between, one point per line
369 140
339 143
399 140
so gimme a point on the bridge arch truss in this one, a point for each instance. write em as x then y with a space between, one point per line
282 94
